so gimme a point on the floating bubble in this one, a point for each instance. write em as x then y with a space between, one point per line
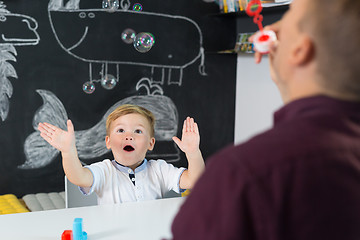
88 87
111 5
144 41
128 35
108 81
137 7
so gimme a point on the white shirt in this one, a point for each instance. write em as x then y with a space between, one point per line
112 184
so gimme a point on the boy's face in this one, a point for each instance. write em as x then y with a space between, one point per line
129 139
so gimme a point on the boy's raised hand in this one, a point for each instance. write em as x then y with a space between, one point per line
189 144
63 141
190 139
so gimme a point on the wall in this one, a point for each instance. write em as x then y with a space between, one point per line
256 98
256 95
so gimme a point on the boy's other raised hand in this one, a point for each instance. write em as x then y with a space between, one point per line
190 139
62 140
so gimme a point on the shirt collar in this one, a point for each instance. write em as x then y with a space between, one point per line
128 170
315 105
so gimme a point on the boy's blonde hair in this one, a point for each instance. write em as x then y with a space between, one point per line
128 109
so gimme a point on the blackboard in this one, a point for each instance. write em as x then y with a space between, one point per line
49 49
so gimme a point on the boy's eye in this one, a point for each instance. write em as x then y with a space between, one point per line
138 131
120 130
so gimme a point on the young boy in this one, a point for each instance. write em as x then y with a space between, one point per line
129 177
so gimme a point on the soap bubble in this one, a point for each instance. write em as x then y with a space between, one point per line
144 41
108 81
111 5
137 7
128 35
88 87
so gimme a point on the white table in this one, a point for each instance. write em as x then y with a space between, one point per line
130 221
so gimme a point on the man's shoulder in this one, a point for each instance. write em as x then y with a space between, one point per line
263 151
260 144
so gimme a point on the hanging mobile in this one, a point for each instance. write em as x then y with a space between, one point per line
262 39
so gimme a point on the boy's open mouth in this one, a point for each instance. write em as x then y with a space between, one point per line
129 148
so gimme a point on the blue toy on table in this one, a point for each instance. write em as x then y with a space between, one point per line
77 232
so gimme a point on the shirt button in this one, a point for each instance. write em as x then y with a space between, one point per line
133 179
129 170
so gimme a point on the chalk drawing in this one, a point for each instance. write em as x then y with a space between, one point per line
85 31
90 143
25 28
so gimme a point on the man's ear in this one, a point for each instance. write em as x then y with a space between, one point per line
303 50
152 144
107 141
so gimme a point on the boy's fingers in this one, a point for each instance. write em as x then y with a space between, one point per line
188 126
184 126
44 136
44 126
196 128
45 129
40 127
191 124
70 126
49 126
176 140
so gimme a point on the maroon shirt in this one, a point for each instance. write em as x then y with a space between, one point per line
299 180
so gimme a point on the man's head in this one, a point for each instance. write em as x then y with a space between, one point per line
319 47
128 109
335 29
